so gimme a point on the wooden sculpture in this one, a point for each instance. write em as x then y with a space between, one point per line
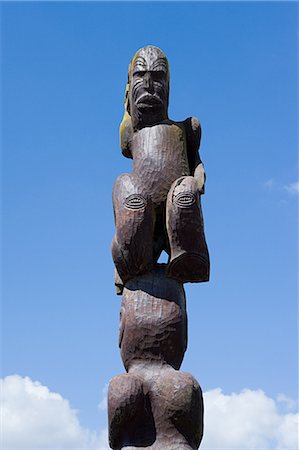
157 207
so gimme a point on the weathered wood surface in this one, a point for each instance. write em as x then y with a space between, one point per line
157 207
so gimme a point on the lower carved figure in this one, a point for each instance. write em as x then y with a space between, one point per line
154 405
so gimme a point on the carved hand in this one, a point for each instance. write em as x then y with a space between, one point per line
200 176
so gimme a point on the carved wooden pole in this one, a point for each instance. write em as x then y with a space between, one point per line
157 207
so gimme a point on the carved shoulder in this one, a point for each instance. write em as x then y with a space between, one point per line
125 135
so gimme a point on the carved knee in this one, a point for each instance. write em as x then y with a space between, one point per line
189 260
125 402
132 248
178 399
129 413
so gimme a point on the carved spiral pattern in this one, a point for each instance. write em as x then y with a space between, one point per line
135 201
185 199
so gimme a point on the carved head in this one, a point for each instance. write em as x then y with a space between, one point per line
148 87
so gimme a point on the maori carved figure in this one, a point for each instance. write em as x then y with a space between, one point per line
157 207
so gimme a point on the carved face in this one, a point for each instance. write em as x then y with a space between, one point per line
149 86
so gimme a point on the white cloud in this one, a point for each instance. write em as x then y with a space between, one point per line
272 186
292 188
35 418
103 440
288 402
248 420
269 184
104 400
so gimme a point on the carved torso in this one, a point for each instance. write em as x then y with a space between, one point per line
159 158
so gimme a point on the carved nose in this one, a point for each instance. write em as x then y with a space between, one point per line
148 84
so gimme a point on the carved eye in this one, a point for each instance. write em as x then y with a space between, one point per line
158 75
139 73
135 201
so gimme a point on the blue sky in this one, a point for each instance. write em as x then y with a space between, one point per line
64 69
